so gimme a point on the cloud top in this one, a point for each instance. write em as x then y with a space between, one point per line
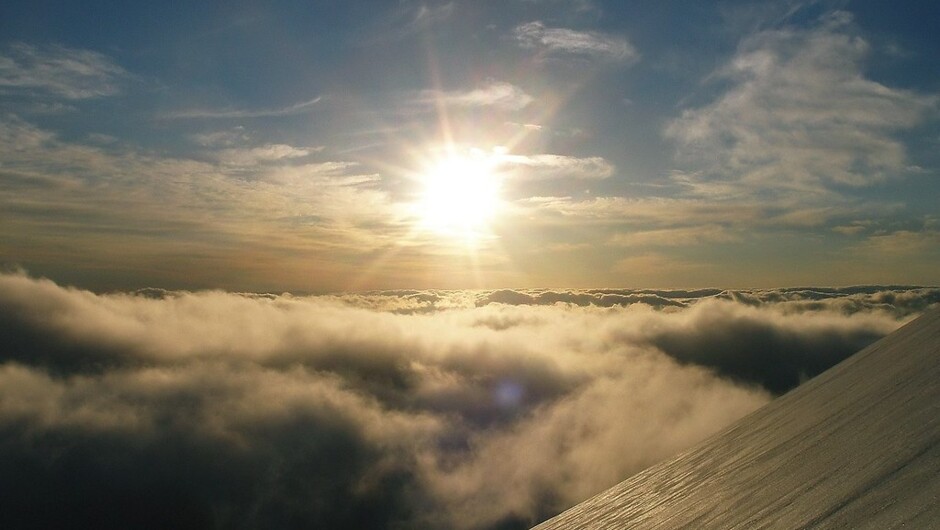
423 409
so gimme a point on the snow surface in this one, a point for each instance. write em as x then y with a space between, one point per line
856 447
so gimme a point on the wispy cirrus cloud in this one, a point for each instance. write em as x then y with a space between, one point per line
230 113
530 127
496 94
799 117
266 153
682 219
550 166
579 6
676 236
562 41
69 73
901 243
127 203
406 19
222 138
654 211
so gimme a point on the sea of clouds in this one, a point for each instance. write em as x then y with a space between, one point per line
405 409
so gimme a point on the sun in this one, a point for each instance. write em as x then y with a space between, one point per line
460 196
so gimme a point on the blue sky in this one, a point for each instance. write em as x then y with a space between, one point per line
296 146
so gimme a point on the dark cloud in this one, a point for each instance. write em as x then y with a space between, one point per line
409 409
210 447
775 352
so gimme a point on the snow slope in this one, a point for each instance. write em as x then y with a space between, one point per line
856 447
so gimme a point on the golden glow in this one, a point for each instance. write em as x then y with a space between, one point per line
460 196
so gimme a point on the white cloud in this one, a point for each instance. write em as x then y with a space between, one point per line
564 41
525 126
267 153
126 203
656 211
680 236
851 229
497 94
452 417
799 117
19 136
65 72
900 243
298 108
548 166
222 138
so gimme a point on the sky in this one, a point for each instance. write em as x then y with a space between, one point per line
458 264
317 147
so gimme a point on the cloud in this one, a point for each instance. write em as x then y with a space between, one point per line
530 127
291 110
496 94
19 136
853 228
407 19
412 409
648 267
562 41
266 153
222 138
778 353
118 206
673 236
655 211
599 298
902 302
579 6
799 118
900 243
548 166
58 71
709 211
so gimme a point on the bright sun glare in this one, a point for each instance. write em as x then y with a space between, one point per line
460 196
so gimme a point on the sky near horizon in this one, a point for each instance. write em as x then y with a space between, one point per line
341 146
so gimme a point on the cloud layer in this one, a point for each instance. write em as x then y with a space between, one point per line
417 409
58 71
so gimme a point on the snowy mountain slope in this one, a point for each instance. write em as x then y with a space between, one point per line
856 447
